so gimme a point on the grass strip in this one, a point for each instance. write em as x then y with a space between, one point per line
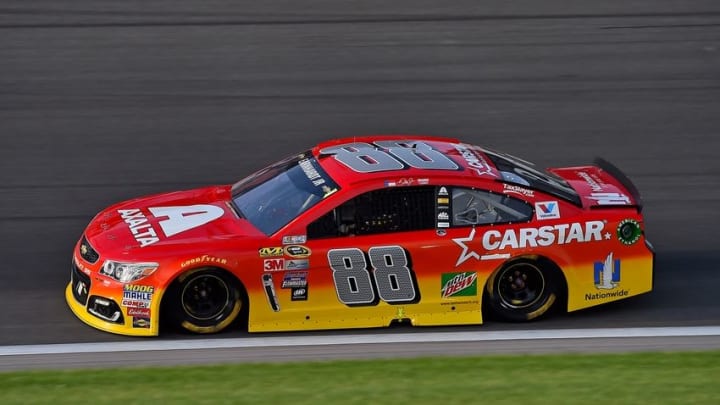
640 378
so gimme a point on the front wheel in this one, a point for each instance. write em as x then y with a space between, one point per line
522 290
205 301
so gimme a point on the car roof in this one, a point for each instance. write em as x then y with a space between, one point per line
469 160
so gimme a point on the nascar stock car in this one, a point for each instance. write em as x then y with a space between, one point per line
362 232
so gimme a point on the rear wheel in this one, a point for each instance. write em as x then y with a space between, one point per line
204 301
523 290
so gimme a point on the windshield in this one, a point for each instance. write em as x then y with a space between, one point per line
275 195
521 172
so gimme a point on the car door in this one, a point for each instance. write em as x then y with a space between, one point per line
374 257
481 221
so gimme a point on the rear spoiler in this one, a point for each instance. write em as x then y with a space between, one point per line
622 178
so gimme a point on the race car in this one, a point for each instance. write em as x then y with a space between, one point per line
363 232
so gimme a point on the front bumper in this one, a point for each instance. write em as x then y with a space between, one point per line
110 306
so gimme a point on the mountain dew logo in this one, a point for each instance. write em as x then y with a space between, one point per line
459 284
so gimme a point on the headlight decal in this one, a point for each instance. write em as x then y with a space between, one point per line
127 272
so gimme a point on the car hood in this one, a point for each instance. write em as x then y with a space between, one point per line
189 218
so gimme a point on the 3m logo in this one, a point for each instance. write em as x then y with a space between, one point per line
274 264
547 210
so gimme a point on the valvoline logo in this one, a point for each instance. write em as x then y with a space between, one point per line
547 210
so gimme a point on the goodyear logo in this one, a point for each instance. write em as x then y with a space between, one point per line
203 259
270 251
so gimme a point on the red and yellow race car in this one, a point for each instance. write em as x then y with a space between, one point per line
362 232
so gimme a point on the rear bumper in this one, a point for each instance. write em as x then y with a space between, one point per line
651 248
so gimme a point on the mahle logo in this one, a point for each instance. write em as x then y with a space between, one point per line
459 284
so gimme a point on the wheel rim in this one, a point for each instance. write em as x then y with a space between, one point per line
205 297
520 285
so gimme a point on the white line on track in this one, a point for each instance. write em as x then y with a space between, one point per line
422 337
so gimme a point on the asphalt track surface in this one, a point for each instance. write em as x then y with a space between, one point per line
102 101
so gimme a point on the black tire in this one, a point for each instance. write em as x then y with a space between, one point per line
523 290
204 301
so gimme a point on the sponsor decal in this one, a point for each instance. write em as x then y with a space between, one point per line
443 224
179 219
603 295
294 239
271 251
610 198
594 182
315 176
443 191
423 182
139 288
297 264
297 251
474 161
203 259
561 234
311 172
458 284
139 312
140 227
628 231
141 323
443 201
389 183
547 210
454 303
274 264
299 294
513 189
269 287
443 213
183 218
294 279
81 267
137 296
81 288
607 273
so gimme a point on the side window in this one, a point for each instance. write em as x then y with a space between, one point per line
393 209
479 207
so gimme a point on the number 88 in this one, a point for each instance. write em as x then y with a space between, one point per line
355 285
